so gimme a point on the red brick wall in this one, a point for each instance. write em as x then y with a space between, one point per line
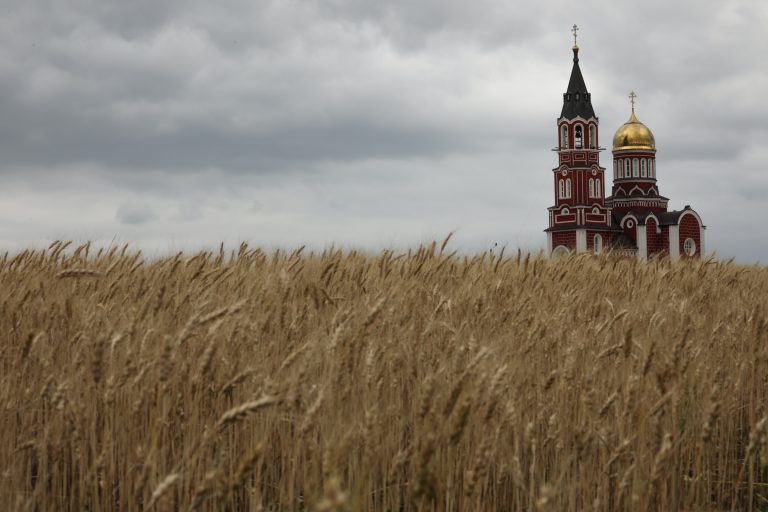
591 240
566 238
631 232
655 240
689 228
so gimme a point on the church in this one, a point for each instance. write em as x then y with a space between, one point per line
633 219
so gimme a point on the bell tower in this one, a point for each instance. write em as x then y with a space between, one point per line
579 220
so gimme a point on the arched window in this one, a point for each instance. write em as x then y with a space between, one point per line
568 187
635 168
597 244
643 171
598 188
561 185
578 137
615 169
564 137
592 137
591 187
652 168
626 168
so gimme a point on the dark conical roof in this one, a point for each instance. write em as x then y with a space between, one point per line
577 102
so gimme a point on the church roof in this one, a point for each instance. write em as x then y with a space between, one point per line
589 225
577 102
671 218
633 135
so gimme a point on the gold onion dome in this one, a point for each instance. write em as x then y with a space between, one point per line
633 135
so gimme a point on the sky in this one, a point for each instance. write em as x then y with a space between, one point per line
177 125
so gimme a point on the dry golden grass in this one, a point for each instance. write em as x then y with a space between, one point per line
346 381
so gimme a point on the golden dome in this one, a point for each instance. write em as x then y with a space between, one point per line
633 135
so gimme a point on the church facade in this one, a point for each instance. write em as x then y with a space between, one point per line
634 218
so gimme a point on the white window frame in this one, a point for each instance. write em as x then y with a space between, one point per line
635 168
597 244
643 168
689 247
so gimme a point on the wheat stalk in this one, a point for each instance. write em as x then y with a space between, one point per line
242 411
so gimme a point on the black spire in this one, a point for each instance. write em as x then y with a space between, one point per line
577 102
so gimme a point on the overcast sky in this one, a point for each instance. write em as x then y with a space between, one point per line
368 123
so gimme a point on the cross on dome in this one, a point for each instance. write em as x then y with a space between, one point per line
575 29
632 97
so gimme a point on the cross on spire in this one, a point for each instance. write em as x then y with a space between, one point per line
632 97
575 29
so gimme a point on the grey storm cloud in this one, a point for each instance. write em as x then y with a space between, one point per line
361 122
134 214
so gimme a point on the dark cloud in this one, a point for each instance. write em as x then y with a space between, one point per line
359 121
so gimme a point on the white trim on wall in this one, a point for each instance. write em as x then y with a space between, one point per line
627 217
655 218
674 242
690 212
642 243
581 240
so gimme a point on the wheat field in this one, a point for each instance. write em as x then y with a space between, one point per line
343 380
